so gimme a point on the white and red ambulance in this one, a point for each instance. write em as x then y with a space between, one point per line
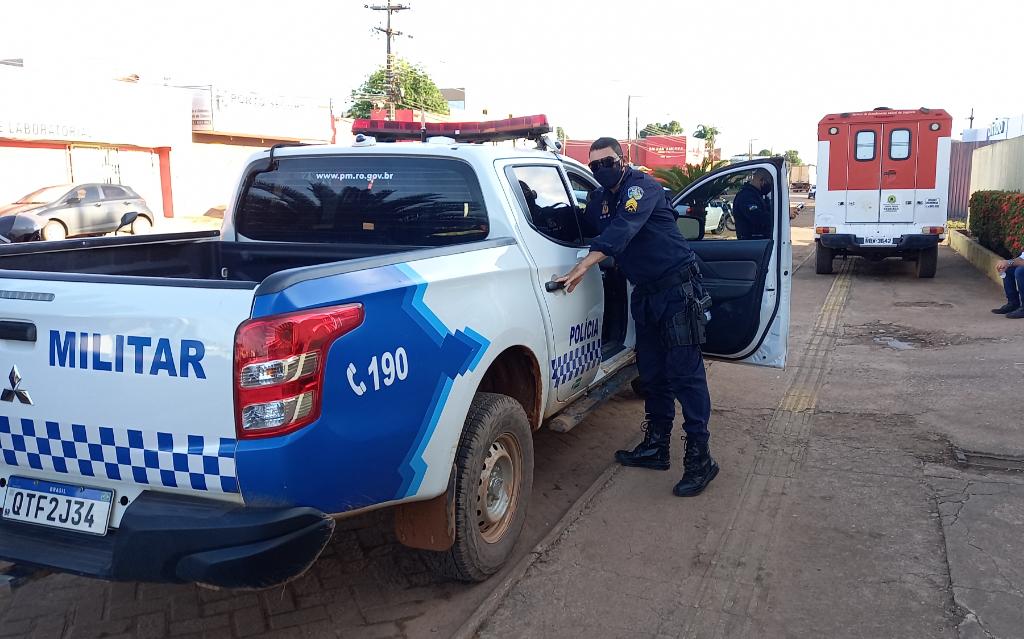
883 178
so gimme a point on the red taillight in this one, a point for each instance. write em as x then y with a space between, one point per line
933 230
279 368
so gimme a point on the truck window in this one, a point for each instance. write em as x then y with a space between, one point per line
865 146
548 206
735 206
384 200
899 144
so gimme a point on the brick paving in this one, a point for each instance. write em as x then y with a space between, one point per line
364 585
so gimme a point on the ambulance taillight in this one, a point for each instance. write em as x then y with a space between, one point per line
279 368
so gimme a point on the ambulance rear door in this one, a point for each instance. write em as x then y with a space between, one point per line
863 173
898 151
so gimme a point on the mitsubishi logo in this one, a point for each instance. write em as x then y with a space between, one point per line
15 391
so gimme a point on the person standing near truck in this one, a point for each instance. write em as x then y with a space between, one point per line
635 224
751 209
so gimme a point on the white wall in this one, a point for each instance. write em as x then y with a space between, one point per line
998 167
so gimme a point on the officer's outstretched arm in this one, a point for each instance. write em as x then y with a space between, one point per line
631 216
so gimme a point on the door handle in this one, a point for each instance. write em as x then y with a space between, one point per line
98 204
553 286
888 172
17 331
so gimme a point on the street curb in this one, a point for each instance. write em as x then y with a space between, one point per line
487 607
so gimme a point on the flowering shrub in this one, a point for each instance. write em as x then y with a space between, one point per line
997 220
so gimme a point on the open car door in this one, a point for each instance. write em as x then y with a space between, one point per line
748 270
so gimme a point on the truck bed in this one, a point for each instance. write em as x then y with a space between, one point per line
189 257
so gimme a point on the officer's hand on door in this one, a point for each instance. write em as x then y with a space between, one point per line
575 276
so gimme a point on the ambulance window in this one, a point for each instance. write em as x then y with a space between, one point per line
899 144
865 146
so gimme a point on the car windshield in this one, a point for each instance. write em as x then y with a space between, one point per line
44 195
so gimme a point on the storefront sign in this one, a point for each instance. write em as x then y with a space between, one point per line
219 110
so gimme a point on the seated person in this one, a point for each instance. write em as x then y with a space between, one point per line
1012 272
752 210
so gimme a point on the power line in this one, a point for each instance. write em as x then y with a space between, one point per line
391 90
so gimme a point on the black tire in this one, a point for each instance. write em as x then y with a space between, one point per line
483 546
927 262
823 259
730 222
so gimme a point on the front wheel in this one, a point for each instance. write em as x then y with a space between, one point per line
493 481
54 230
927 262
730 222
823 259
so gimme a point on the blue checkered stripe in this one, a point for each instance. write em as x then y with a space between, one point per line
147 458
576 362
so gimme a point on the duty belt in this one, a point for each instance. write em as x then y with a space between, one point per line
683 275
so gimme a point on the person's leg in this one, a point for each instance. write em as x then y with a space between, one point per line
1015 280
690 385
1012 284
653 451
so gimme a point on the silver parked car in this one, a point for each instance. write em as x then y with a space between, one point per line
66 210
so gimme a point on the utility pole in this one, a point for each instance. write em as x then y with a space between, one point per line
750 148
971 119
391 91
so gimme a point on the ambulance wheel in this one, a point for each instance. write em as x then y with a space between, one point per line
927 261
493 480
823 260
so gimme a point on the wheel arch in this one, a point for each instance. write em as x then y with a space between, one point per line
516 372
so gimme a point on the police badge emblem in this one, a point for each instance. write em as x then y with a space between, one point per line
634 193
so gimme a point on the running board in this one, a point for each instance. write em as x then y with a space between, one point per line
573 414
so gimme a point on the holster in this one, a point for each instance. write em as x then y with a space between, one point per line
688 327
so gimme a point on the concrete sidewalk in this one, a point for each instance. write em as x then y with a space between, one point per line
839 511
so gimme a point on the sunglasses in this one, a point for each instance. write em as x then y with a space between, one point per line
604 163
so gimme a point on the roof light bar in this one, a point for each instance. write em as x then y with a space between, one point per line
530 127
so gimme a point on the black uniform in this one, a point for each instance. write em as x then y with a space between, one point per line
752 213
637 226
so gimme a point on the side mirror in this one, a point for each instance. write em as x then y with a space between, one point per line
689 227
126 220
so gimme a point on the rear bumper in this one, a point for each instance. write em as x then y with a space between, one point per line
168 538
854 245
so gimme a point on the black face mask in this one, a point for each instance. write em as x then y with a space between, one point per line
608 177
766 188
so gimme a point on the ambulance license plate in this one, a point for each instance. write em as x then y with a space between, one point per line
878 240
48 503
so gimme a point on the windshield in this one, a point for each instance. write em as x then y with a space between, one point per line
44 195
405 201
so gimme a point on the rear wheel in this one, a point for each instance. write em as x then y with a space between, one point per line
823 259
927 262
54 230
494 477
730 222
141 225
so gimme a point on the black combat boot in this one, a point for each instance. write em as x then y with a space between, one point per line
653 451
699 470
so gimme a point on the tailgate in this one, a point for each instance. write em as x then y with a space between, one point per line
124 387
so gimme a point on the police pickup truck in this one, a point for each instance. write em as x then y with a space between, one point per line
373 326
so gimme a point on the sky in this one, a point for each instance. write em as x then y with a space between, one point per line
763 70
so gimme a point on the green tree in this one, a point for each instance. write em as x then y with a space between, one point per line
708 133
561 134
657 128
765 153
677 178
416 90
793 157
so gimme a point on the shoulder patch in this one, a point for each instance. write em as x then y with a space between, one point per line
634 192
631 205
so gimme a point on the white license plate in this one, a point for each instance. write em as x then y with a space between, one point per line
878 240
57 505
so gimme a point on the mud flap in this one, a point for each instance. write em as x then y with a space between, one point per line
430 524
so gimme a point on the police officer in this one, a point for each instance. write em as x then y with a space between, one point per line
634 223
751 209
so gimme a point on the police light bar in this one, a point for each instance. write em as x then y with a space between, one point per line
530 127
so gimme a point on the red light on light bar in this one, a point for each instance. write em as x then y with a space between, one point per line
530 126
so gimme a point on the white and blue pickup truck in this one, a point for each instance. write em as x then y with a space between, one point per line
373 326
